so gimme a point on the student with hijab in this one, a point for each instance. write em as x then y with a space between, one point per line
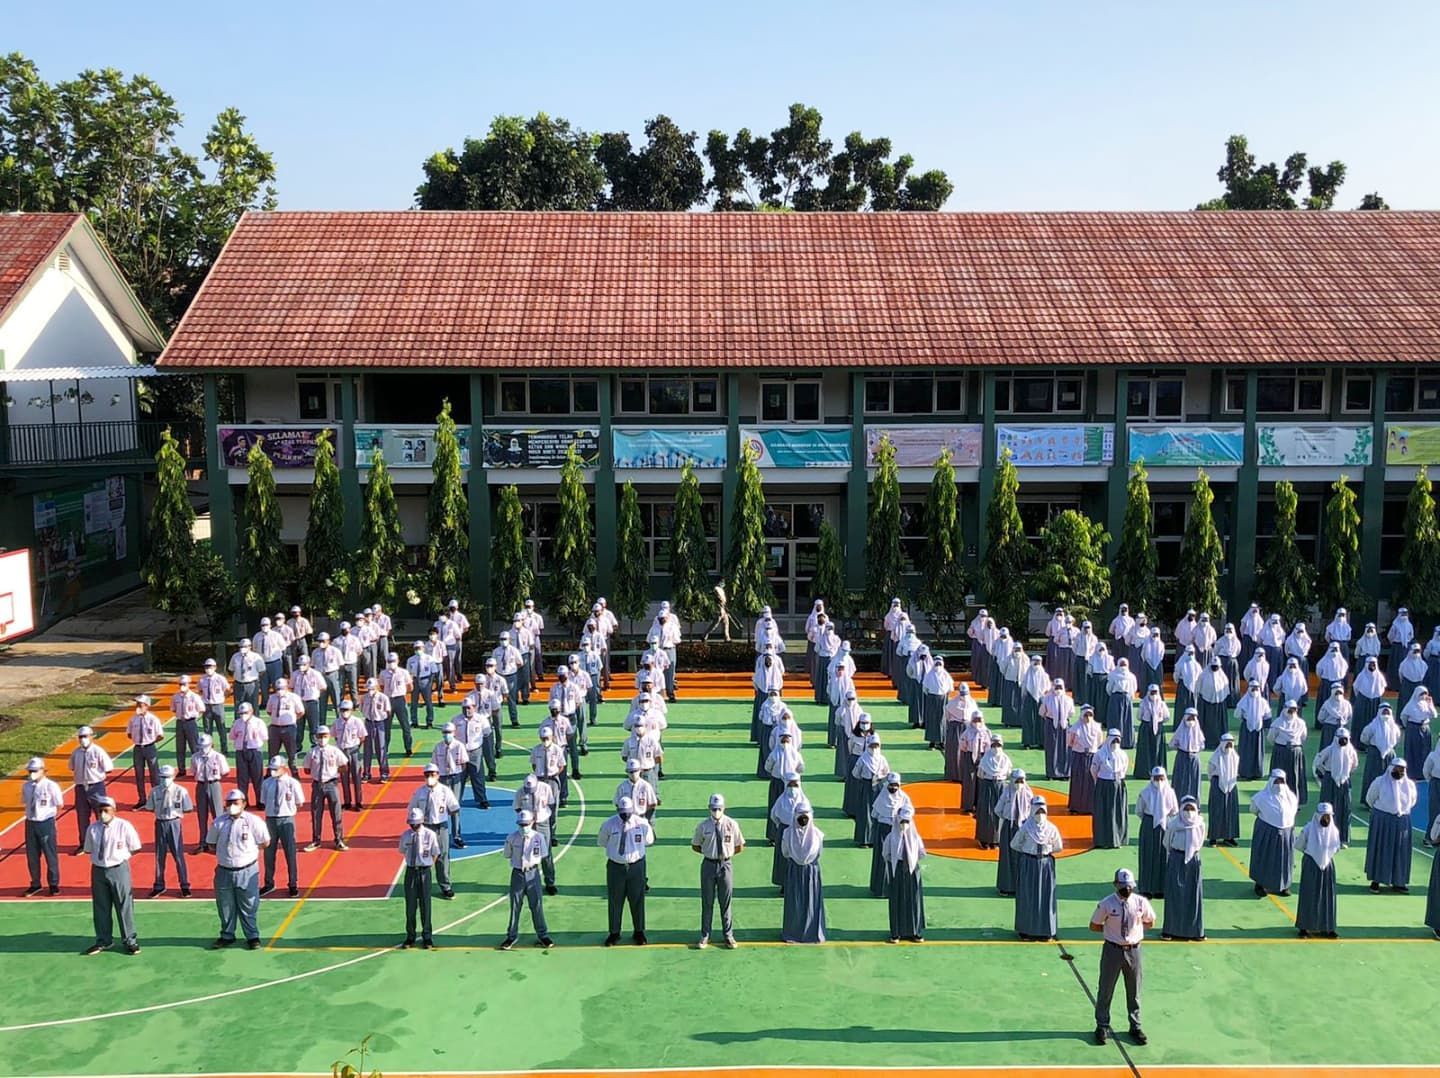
1086 642
1057 710
1120 626
1272 842
891 623
1112 805
769 681
959 710
1251 624
1391 797
1257 671
848 720
1184 883
1098 681
1188 741
1415 719
1287 737
1185 630
1253 711
1120 690
1083 739
1400 635
1034 684
1381 739
1228 651
1152 659
1291 685
974 744
1432 894
842 719
824 645
1204 639
1035 845
1432 662
1187 677
1335 766
979 654
886 807
1000 648
1272 639
1334 713
1012 810
804 910
812 624
903 850
990 775
1224 806
1150 750
870 772
1297 646
900 664
1318 843
1339 631
1430 772
783 759
918 670
782 815
1134 641
1012 671
937 688
1212 690
1155 806
1332 669
1369 688
1055 629
1369 646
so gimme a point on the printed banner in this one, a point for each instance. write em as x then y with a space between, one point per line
1412 443
666 447
1057 444
919 445
799 447
405 447
1300 446
1186 446
79 528
541 447
287 447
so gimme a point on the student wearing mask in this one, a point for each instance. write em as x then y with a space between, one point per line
437 804
168 801
804 912
42 800
526 848
1391 798
1335 767
111 842
903 850
324 765
145 733
281 796
1036 844
624 837
1155 806
885 811
238 837
421 850
90 766
1224 807
1319 841
1184 882
1111 813
1272 843
1122 918
537 798
717 839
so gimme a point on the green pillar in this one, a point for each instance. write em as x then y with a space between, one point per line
217 478
732 462
1372 493
1119 468
606 517
477 492
1247 492
987 456
856 489
345 456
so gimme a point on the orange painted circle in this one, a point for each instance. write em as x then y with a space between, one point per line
948 832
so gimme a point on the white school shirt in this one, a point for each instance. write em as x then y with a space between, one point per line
327 659
281 796
90 764
213 688
42 800
245 667
187 704
110 845
624 841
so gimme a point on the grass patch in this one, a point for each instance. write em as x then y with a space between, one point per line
37 726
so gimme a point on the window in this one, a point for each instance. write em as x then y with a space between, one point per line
558 395
1412 391
1392 534
1040 394
790 402
319 398
670 395
1279 392
541 518
1169 530
1359 393
912 537
1307 526
914 394
1036 514
1155 398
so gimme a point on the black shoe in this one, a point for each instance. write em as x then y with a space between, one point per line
458 844
614 938
33 890
447 894
97 948
266 889
639 938
1260 891
506 945
139 806
1285 893
1374 887
577 774
551 889
1304 935
54 889
485 804
490 778
1101 1034
132 948
545 941
405 945
184 892
252 945
1138 1035
586 752
293 891
221 944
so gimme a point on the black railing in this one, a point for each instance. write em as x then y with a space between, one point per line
116 441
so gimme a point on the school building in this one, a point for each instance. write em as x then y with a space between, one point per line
1258 346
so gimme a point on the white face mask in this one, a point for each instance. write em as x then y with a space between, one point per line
274 772
432 779
716 813
106 815
235 809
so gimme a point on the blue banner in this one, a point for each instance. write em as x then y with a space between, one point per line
1186 446
666 447
799 447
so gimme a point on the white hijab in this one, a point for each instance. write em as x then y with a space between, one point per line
1100 661
1276 804
1153 653
1212 685
1420 708
1228 645
1188 736
802 844
1157 800
1013 804
1187 668
1121 680
1253 708
1035 681
903 843
1191 826
1154 710
1370 682
1413 667
1224 766
1320 842
1333 665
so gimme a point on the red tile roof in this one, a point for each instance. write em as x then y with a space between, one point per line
499 290
27 241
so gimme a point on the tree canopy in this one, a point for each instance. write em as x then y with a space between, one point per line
1073 572
1339 579
882 536
1004 572
1137 563
691 585
1252 186
1286 584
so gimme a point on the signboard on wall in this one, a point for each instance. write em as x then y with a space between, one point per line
1051 445
1185 445
668 447
287 447
1412 443
540 447
17 604
80 528
919 445
1290 445
799 447
405 447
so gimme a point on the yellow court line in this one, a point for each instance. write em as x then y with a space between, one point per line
359 822
1278 904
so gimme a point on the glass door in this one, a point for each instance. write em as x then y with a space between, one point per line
792 545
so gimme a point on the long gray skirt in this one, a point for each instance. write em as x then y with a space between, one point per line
979 665
1252 753
1151 750
1432 792
878 866
1272 856
1031 736
1120 715
1054 665
843 760
1184 699
865 823
1010 704
1387 851
1186 776
1364 708
1097 693
1291 760
1338 795
915 699
1432 897
822 688
856 790
1418 744
1316 912
887 654
1230 666
1224 821
1184 897
1082 784
1035 907
777 866
1154 675
987 824
1057 756
804 904
1327 731
1376 764
1151 877
995 688
951 748
932 713
1079 679
1005 867
755 716
763 749
1407 690
1214 721
1111 814
907 904
969 778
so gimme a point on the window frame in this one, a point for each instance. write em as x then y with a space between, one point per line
1357 378
789 385
889 379
333 405
1151 384
527 379
655 540
693 383
1007 382
1297 375
1308 542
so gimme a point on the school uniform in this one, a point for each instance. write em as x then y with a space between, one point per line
238 841
323 765
540 803
397 684
1124 921
112 896
309 685
421 850
42 801
375 707
438 803
350 733
89 766
326 660
187 706
624 843
246 670
210 768
282 797
247 741
719 841
169 803
284 709
145 732
213 688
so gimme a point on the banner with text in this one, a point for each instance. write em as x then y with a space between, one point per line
287 447
541 447
919 445
405 447
667 447
1057 444
1287 445
1186 446
799 447
1412 443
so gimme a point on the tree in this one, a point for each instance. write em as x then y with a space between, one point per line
882 531
1286 582
666 174
535 164
1339 582
1419 586
572 569
380 561
631 578
1004 574
218 591
943 593
1197 581
1373 201
829 582
326 579
262 565
1270 187
171 570
691 586
512 572
447 554
749 587
1073 572
1137 562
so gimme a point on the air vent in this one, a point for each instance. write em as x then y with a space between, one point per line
62 262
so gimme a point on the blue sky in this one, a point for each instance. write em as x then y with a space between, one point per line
1027 105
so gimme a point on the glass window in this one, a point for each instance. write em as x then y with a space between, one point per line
550 396
1280 393
1169 529
912 536
1400 393
1310 394
707 394
1034 395
1002 395
877 394
1036 514
669 396
1308 511
1040 394
1235 393
512 395
1069 394
950 394
807 402
790 401
1392 534
1155 398
1359 391
632 394
587 395
1427 393
914 396
774 402
1274 394
1137 398
314 402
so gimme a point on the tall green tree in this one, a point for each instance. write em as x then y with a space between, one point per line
664 174
691 586
829 582
1004 573
1074 570
1252 186
749 587
171 570
512 571
1197 581
1339 582
1286 583
1419 586
1137 563
380 562
519 164
572 569
447 554
262 565
943 592
882 531
631 577
326 578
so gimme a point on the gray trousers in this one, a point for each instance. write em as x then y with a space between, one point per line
170 843
187 741
547 864
111 894
716 882
442 863
1116 962
323 796
208 805
40 842
417 901
282 839
626 884
670 673
247 692
237 895
525 888
214 719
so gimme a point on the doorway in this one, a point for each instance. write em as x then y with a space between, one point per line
792 546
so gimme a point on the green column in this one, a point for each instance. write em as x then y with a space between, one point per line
605 511
732 462
217 478
1119 468
477 492
987 455
1247 491
345 456
856 489
1372 493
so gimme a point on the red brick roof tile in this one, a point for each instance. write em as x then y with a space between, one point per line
27 241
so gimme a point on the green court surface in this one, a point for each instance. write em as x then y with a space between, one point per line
971 995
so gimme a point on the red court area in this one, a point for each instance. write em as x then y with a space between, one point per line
948 832
365 870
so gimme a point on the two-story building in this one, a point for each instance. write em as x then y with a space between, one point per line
1257 346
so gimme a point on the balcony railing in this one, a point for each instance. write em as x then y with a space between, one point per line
113 441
